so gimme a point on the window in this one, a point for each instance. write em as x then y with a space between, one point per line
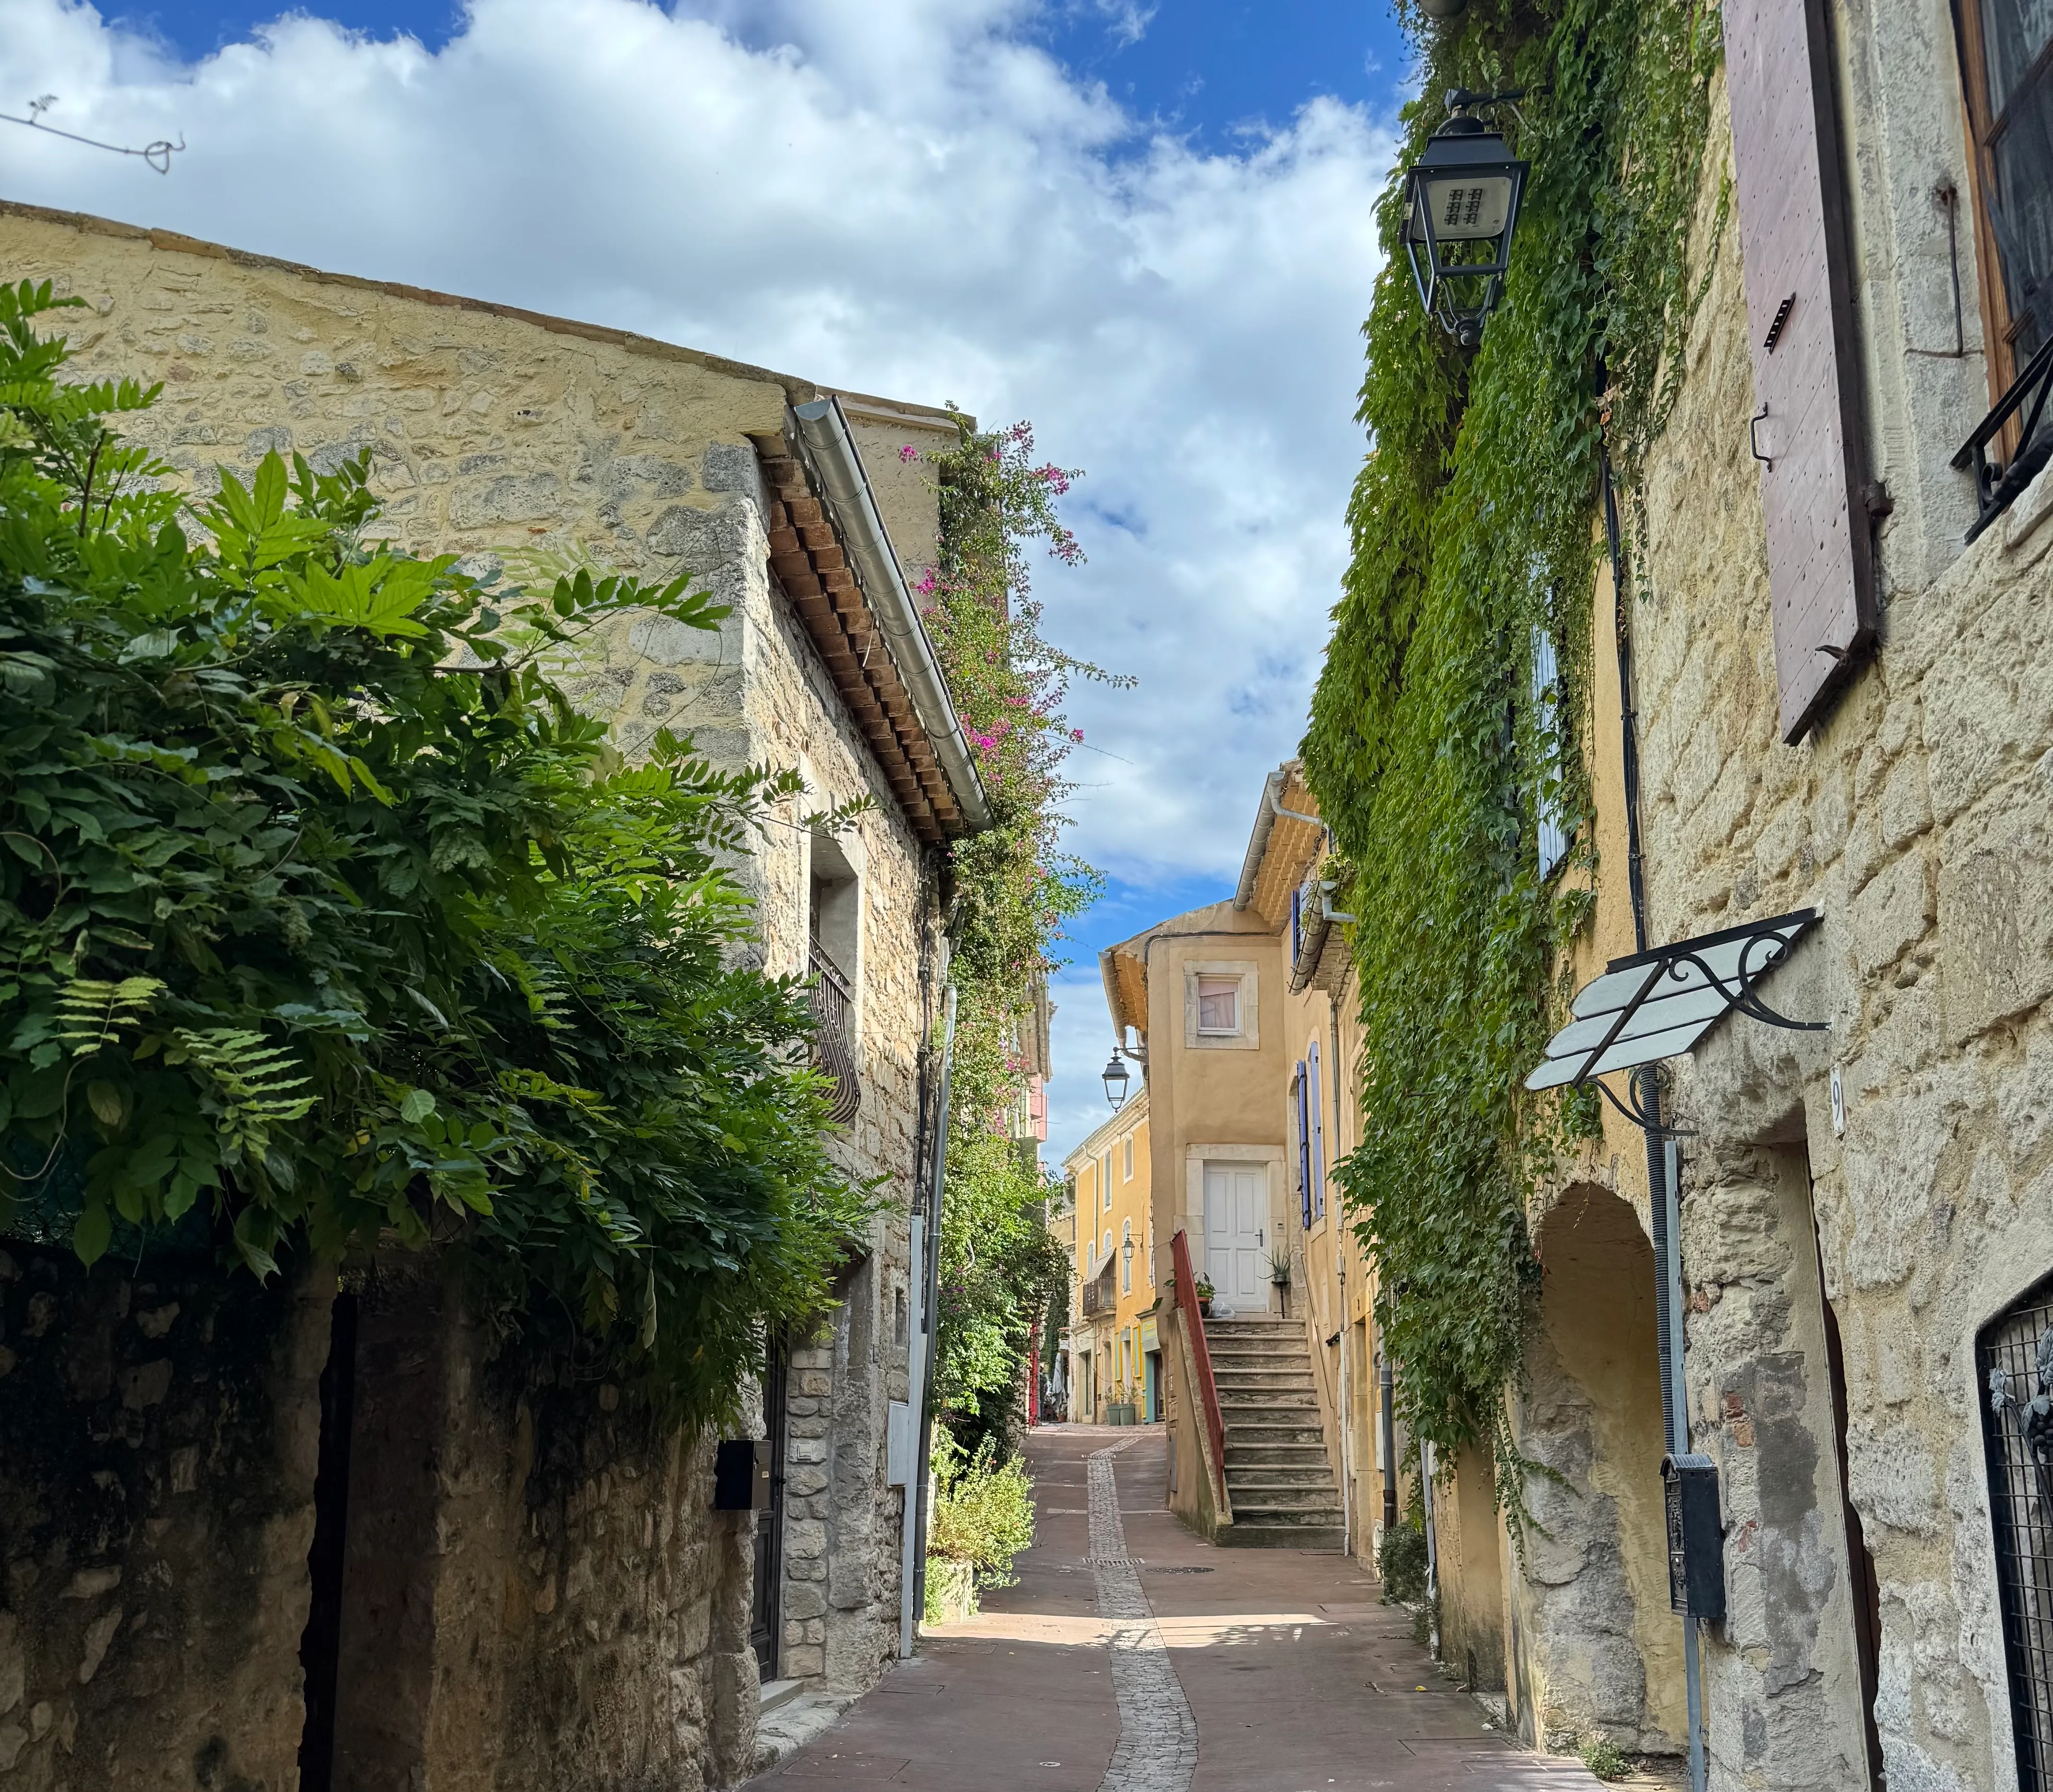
2014 1362
1104 1179
1126 1163
1553 840
2010 110
1219 1004
1126 1259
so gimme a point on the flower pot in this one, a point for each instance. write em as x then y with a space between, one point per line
1204 1307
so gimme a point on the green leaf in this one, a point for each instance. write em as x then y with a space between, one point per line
417 1106
89 1237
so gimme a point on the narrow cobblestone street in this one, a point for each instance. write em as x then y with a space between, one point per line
1134 1657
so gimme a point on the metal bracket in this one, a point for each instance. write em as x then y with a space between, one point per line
1753 439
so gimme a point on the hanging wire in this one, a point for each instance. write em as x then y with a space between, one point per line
157 155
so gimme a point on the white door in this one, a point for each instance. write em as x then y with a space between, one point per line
1236 1220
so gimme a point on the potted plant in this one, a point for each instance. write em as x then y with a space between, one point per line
1205 1293
1279 1275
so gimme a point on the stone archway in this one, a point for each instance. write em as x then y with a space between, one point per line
1598 1651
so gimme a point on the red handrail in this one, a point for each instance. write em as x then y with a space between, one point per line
1186 1302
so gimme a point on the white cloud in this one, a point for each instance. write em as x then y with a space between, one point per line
903 196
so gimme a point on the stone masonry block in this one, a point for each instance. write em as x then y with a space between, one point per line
1892 913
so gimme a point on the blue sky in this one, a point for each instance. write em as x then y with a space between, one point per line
1148 229
1212 67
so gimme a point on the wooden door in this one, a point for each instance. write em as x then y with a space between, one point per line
1236 1222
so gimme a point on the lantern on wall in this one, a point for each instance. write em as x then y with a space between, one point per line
1116 1080
1461 207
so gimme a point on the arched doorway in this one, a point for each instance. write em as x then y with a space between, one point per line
1598 1651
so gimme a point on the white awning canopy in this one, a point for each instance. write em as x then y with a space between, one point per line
1660 1003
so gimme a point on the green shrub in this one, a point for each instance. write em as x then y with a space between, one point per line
1400 1561
983 1517
1605 1759
324 915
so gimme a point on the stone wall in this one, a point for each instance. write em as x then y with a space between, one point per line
1919 820
535 443
536 1592
158 1433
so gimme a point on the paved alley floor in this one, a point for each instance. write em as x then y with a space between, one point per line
1132 1656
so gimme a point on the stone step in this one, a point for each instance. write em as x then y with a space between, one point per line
1279 1475
1288 1505
1250 1402
1326 1539
1250 1356
1264 1381
1300 1452
1253 1443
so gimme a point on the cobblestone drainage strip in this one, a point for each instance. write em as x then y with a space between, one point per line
1158 1736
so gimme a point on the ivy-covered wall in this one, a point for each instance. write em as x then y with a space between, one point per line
1475 535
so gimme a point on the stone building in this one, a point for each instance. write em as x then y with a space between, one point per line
1840 693
511 1585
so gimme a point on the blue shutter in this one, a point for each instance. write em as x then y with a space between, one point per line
1318 1105
1304 1145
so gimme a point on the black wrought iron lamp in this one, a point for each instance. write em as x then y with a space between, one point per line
1116 1079
1461 207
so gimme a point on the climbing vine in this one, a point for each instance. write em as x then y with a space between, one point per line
1475 537
1014 888
326 918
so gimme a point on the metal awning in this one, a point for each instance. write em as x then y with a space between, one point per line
1660 1003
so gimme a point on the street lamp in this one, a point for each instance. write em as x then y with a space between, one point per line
1461 207
1116 1079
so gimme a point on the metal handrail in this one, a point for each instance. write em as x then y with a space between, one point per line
1994 487
832 1000
1194 1320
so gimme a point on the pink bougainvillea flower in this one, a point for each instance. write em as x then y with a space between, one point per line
1076 734
909 453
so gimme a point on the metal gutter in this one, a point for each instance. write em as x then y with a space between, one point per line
824 428
1266 819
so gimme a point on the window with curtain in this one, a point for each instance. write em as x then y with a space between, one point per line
1219 1004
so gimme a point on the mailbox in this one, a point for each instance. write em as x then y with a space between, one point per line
741 1475
1695 1539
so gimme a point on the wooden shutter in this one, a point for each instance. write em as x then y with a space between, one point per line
1318 1105
1800 321
1303 1119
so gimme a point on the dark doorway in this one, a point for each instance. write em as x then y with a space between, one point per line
766 1612
320 1645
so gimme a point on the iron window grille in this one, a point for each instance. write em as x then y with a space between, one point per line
834 1048
2014 1358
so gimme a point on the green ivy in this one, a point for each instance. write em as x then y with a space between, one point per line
1013 887
1475 524
325 918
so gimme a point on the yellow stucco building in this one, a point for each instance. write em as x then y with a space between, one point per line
1114 1355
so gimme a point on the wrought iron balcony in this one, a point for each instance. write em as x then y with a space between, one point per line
1099 1296
1996 485
834 1045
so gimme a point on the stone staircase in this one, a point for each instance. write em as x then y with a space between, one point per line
1276 1474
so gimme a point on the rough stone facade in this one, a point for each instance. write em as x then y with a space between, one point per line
158 1437
1838 1260
1918 819
600 1598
